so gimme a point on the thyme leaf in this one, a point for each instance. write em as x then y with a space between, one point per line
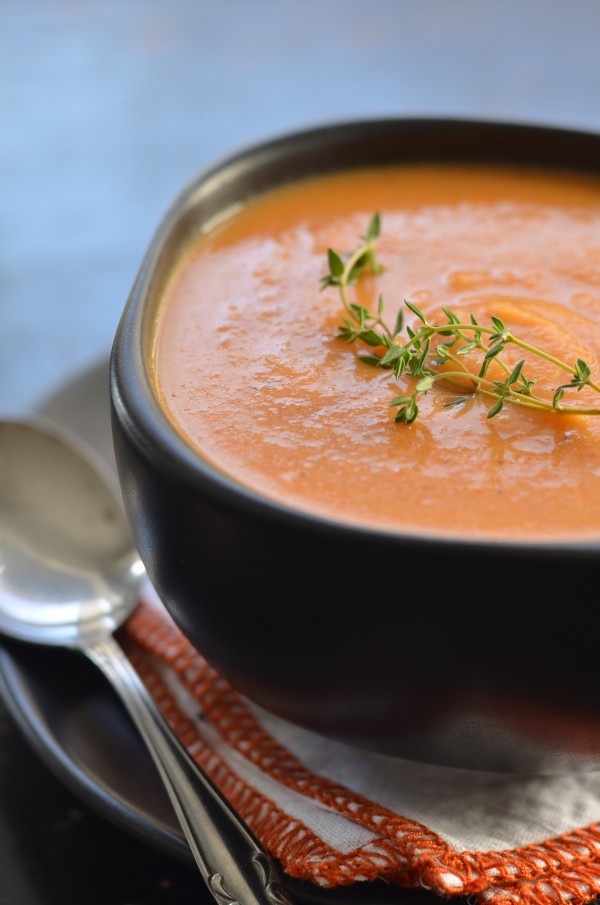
419 358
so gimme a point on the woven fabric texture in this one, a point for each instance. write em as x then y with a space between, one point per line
495 838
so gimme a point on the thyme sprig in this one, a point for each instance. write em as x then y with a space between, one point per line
427 361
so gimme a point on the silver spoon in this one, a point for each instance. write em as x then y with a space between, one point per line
69 576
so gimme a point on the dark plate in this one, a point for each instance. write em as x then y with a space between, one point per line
75 722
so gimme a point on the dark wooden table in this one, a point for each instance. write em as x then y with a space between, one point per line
106 109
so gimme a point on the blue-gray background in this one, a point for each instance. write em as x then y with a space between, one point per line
107 107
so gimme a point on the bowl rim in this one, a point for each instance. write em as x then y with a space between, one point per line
136 408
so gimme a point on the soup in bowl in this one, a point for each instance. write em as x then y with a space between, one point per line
355 397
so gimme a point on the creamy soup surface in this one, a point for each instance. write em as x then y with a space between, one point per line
248 368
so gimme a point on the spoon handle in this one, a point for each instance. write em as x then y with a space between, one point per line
234 866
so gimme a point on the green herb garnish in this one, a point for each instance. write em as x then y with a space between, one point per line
431 353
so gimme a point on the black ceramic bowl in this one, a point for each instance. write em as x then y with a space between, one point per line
471 675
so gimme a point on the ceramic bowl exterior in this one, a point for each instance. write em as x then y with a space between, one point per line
402 655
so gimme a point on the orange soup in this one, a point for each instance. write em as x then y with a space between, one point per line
249 369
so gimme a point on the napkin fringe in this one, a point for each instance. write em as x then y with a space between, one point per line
302 853
403 852
569 888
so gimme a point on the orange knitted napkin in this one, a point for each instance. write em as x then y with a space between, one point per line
337 816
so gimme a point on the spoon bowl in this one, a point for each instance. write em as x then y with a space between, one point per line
70 576
70 571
